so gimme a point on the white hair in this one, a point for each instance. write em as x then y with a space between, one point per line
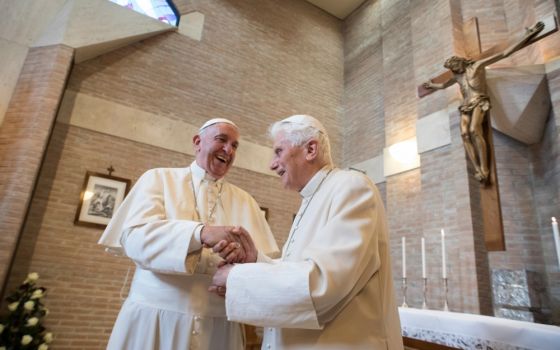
298 133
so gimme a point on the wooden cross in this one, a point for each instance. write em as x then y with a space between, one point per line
468 81
110 169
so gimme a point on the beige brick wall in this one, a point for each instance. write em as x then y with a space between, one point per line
257 62
390 48
260 60
23 138
84 282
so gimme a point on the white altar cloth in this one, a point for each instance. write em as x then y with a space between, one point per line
468 331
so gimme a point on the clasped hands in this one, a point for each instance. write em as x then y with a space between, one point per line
234 245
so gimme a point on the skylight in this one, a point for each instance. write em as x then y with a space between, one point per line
162 10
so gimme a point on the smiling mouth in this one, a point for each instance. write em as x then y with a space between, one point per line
223 159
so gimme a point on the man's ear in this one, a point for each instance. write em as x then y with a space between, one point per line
196 142
311 149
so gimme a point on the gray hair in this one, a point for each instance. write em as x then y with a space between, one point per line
298 134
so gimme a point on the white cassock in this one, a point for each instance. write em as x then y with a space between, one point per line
169 306
332 288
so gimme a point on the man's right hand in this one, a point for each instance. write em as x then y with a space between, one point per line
211 235
228 252
227 242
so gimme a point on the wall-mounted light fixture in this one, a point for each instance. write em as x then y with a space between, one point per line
400 157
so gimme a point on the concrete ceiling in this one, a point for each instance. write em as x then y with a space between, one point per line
338 8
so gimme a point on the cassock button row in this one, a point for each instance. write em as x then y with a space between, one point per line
196 319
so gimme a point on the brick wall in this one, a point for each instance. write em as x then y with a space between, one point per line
258 61
23 138
363 113
546 171
401 44
390 48
84 282
527 174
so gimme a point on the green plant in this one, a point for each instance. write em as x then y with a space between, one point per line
23 329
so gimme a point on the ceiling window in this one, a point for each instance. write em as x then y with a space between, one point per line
162 10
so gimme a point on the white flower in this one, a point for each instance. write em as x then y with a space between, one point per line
29 305
26 339
48 337
46 311
32 277
37 294
2 348
43 347
1 328
13 306
32 321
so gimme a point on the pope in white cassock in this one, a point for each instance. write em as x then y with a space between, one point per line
332 287
165 225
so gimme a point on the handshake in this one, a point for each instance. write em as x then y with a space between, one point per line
232 243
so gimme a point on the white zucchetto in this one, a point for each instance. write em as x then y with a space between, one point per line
216 121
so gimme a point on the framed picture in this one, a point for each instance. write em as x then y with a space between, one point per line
101 196
265 212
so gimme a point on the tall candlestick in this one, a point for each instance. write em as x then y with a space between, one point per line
404 257
556 238
423 258
443 262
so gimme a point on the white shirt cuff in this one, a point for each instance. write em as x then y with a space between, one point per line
196 243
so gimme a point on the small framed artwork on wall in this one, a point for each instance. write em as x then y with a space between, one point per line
100 197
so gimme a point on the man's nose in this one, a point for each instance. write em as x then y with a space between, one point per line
229 149
273 164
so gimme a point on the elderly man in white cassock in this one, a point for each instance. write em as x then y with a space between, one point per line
165 226
332 287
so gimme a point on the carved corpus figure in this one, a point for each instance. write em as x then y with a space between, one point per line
471 77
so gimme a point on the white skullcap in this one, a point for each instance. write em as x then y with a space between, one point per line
216 121
306 120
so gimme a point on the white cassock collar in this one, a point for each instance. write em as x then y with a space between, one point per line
311 186
198 174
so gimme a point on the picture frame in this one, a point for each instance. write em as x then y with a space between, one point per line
100 197
265 212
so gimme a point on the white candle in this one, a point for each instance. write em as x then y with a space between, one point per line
423 258
404 257
556 238
443 262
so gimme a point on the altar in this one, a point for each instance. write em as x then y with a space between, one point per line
468 331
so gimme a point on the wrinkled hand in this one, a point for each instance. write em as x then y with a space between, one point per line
212 235
219 280
231 252
228 251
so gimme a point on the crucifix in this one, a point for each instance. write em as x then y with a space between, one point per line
110 169
476 132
